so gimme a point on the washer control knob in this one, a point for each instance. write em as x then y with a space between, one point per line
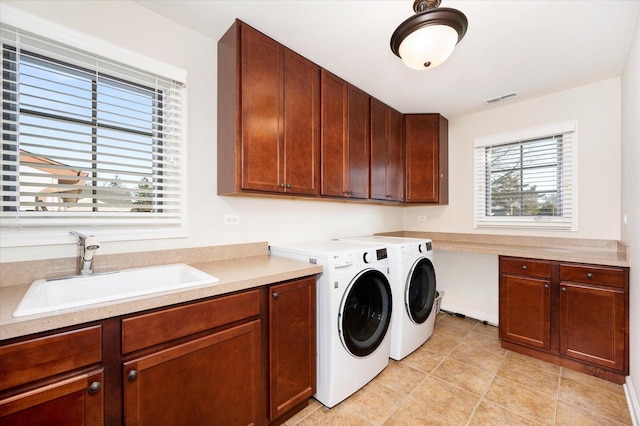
420 247
365 257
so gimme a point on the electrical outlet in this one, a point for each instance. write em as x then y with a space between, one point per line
422 218
231 219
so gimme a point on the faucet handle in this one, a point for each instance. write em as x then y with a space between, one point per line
81 237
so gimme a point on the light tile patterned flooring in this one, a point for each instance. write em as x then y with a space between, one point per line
461 376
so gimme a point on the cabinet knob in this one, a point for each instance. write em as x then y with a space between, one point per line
289 185
276 295
564 289
95 387
524 267
546 286
281 185
133 374
589 275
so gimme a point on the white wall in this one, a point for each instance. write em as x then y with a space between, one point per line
631 196
470 281
126 24
596 107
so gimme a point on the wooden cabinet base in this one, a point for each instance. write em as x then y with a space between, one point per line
295 410
570 314
591 370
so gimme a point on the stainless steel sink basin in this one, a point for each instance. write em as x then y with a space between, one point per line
46 296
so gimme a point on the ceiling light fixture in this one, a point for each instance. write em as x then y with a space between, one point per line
428 38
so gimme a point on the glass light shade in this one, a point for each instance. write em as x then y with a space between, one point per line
430 45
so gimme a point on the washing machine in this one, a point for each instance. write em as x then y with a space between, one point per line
353 307
413 285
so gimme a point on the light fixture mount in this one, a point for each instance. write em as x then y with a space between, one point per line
428 38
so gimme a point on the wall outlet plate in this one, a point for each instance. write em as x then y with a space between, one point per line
231 219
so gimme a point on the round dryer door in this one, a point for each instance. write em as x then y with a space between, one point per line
420 292
365 313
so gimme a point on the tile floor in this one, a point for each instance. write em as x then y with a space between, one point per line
461 376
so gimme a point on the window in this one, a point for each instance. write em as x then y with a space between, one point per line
526 179
87 140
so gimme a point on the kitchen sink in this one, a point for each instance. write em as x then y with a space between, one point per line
46 296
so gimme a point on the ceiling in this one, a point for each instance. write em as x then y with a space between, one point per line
529 47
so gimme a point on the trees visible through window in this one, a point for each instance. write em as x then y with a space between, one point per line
526 179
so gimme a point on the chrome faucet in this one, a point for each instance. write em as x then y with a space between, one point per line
87 245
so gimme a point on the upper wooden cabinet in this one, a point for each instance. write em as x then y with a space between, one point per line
268 116
427 157
345 139
387 171
286 126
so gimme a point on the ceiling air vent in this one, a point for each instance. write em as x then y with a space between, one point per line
501 98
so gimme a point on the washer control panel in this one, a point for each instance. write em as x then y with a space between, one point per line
380 254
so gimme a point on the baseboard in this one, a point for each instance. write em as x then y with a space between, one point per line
632 401
482 316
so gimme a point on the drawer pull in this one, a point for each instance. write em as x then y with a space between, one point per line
564 289
95 387
589 275
133 374
276 296
524 267
546 286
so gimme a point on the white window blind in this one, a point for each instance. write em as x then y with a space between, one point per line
527 178
86 140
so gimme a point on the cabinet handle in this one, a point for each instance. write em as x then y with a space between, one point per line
589 275
281 185
564 289
133 374
524 267
276 296
95 387
546 286
289 185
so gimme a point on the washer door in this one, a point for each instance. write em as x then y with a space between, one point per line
365 313
420 291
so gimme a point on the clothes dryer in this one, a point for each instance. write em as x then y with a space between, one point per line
354 308
413 285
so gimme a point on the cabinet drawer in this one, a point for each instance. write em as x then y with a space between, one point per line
599 275
143 331
528 267
43 357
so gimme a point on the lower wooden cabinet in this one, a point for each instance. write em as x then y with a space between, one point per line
213 380
247 358
292 345
53 380
575 315
74 401
593 325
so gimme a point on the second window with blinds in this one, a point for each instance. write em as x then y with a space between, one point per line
526 178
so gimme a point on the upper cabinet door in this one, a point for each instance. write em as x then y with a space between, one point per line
345 139
358 164
301 125
426 145
387 173
334 136
262 91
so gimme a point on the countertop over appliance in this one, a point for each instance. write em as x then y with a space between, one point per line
592 251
